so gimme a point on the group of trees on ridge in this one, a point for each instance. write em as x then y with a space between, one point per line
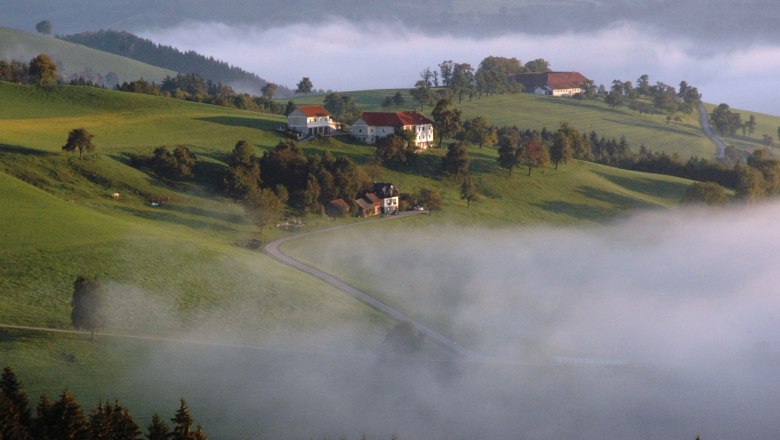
64 418
131 46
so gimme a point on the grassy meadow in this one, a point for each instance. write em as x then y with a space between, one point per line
528 111
175 270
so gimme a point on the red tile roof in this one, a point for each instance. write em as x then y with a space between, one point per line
397 119
553 80
313 110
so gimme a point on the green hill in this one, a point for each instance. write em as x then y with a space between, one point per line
128 45
175 269
528 111
75 58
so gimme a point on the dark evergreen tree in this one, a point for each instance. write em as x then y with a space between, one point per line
12 390
157 429
112 422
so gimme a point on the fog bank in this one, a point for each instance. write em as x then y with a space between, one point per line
687 301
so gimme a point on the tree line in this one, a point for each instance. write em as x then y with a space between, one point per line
192 87
64 418
167 57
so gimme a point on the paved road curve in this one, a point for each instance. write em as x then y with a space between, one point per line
273 249
704 121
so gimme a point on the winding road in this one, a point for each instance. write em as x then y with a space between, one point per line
704 121
273 250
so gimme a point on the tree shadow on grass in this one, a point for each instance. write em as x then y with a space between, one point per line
167 213
13 335
640 123
18 149
235 121
577 211
647 186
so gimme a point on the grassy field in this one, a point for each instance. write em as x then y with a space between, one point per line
766 124
529 111
175 269
74 58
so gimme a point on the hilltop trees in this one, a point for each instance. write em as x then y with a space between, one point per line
88 305
44 27
79 139
43 70
304 86
725 121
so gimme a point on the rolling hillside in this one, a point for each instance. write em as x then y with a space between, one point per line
74 58
528 111
175 269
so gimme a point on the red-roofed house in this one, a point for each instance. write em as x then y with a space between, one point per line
375 125
309 120
552 83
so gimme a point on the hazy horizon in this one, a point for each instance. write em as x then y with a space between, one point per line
729 51
339 58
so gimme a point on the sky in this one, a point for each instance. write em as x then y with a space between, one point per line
341 56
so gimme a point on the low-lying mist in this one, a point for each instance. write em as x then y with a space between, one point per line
341 55
659 326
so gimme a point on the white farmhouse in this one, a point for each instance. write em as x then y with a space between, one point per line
375 125
551 83
310 120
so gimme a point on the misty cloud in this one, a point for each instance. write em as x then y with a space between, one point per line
687 300
340 55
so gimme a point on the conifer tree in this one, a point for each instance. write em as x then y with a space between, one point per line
65 419
11 427
182 422
157 429
12 389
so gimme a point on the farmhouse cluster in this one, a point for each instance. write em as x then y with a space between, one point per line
313 120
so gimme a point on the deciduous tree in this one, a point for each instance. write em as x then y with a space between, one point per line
43 70
269 90
429 198
456 162
468 191
79 139
88 305
709 193
304 86
561 149
533 154
264 207
479 131
44 27
447 121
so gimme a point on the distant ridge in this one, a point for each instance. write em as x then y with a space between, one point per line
140 49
